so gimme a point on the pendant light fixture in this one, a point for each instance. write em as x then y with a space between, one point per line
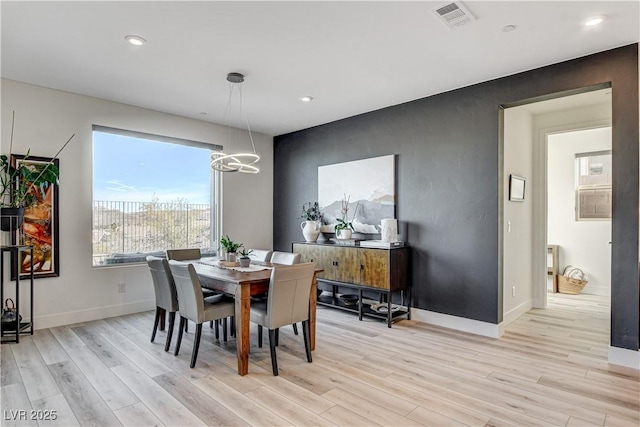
240 161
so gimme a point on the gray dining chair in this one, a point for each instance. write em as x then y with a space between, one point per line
193 305
166 295
184 254
286 258
190 254
287 303
261 255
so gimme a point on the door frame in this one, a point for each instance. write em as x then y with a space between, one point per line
540 202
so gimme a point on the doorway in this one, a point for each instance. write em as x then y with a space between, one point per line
527 128
579 178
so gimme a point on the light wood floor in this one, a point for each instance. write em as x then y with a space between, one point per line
550 368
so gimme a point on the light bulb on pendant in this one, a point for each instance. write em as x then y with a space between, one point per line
242 161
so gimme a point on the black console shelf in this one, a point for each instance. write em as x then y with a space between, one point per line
12 332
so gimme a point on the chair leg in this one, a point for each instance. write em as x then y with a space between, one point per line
259 336
172 320
307 344
196 344
155 324
211 324
272 348
277 337
224 329
186 325
232 328
180 330
217 329
295 328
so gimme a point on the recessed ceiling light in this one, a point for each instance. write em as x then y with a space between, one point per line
595 20
508 28
306 98
135 40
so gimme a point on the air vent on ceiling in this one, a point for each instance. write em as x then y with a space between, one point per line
454 14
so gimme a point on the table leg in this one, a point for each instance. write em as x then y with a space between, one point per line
243 316
312 312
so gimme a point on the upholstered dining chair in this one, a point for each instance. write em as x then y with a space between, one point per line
193 305
184 254
286 258
261 255
166 296
286 304
193 254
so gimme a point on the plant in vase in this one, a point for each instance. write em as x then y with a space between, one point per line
230 248
344 227
23 184
312 221
245 261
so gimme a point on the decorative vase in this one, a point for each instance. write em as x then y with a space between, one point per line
244 261
231 256
310 230
343 234
11 218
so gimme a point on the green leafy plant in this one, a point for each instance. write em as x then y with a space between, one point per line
244 253
18 184
229 245
344 223
311 212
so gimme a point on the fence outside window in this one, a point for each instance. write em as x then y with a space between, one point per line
128 231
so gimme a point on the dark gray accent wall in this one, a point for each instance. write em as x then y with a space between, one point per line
447 182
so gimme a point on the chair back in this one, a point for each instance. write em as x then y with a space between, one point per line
286 258
288 299
163 284
260 255
189 291
183 254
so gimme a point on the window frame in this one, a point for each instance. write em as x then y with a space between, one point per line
579 189
215 183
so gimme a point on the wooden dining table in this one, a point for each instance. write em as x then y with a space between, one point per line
243 285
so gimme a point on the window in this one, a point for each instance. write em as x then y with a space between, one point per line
151 193
593 185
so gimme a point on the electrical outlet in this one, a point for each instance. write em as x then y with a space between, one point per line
513 291
122 287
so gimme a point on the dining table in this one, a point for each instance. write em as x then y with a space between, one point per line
242 284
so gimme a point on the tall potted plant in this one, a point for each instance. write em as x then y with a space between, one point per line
20 184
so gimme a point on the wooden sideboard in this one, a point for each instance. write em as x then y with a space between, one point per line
383 271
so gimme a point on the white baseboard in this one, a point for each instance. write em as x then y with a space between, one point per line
513 314
87 315
458 323
624 357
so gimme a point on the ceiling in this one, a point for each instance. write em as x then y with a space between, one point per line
351 57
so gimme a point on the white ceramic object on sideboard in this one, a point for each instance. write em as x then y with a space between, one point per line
389 230
344 234
310 230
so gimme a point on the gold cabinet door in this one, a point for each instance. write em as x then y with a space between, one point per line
375 268
346 267
321 256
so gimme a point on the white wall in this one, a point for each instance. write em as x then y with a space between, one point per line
518 221
45 119
583 244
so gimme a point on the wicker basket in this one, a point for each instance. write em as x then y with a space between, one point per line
567 285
